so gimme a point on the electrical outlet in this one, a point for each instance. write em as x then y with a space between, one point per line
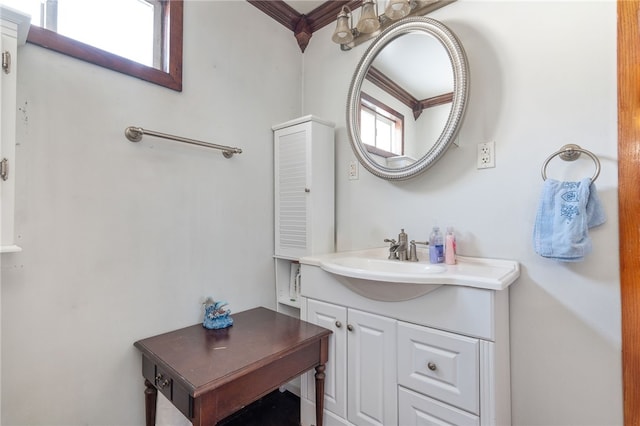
486 155
353 170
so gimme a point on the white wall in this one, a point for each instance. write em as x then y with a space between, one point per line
123 241
543 74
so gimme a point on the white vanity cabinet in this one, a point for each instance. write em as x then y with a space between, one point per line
15 26
304 198
363 361
440 358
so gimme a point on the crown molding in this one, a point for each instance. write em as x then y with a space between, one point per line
303 26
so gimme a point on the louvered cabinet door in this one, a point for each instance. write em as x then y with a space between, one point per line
291 194
303 185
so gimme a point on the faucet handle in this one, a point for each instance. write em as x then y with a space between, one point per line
413 257
390 240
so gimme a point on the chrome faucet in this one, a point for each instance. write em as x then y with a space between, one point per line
399 250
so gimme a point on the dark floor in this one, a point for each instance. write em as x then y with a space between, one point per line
275 409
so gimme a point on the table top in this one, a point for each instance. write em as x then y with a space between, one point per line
205 359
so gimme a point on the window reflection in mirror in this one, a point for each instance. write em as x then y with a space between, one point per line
412 75
381 127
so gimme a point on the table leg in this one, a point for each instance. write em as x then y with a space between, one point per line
150 401
319 393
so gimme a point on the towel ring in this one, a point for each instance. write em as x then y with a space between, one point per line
571 152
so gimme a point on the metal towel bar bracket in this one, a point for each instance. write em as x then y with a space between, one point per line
571 152
134 134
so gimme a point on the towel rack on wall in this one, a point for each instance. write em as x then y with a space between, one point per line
571 152
134 134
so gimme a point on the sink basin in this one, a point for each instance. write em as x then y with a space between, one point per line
371 274
381 269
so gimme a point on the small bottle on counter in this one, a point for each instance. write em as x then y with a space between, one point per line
450 247
436 246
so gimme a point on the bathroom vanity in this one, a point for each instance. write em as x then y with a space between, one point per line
412 343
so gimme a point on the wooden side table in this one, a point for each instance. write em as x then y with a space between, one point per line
210 374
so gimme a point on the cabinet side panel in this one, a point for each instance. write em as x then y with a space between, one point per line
502 367
322 208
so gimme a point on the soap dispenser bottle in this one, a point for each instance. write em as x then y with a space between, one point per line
450 247
436 246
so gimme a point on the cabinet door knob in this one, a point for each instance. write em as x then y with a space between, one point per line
349 327
432 366
338 324
307 190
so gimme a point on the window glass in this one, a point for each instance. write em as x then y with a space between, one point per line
81 20
142 31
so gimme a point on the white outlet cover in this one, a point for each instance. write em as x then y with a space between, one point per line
486 155
353 170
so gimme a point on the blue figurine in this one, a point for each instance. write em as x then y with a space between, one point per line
216 315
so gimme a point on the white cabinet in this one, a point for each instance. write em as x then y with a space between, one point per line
15 26
418 410
362 364
443 365
371 375
441 358
304 187
304 198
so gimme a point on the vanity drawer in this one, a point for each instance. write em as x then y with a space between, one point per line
418 410
441 365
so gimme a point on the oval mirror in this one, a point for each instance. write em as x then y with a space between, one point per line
407 98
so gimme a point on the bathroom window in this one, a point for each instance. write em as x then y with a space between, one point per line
381 128
146 42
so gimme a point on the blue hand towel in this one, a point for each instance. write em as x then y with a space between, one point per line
566 211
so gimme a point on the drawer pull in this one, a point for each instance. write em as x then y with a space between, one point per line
432 366
338 324
161 382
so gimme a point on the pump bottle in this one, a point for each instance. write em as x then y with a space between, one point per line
450 247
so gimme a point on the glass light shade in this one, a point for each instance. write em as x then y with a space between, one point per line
342 34
369 21
397 9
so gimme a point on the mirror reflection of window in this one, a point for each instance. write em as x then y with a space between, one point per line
381 128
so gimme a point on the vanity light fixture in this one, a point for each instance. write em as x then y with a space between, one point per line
343 33
371 24
397 9
369 21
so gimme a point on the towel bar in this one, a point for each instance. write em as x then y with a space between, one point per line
571 152
134 134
